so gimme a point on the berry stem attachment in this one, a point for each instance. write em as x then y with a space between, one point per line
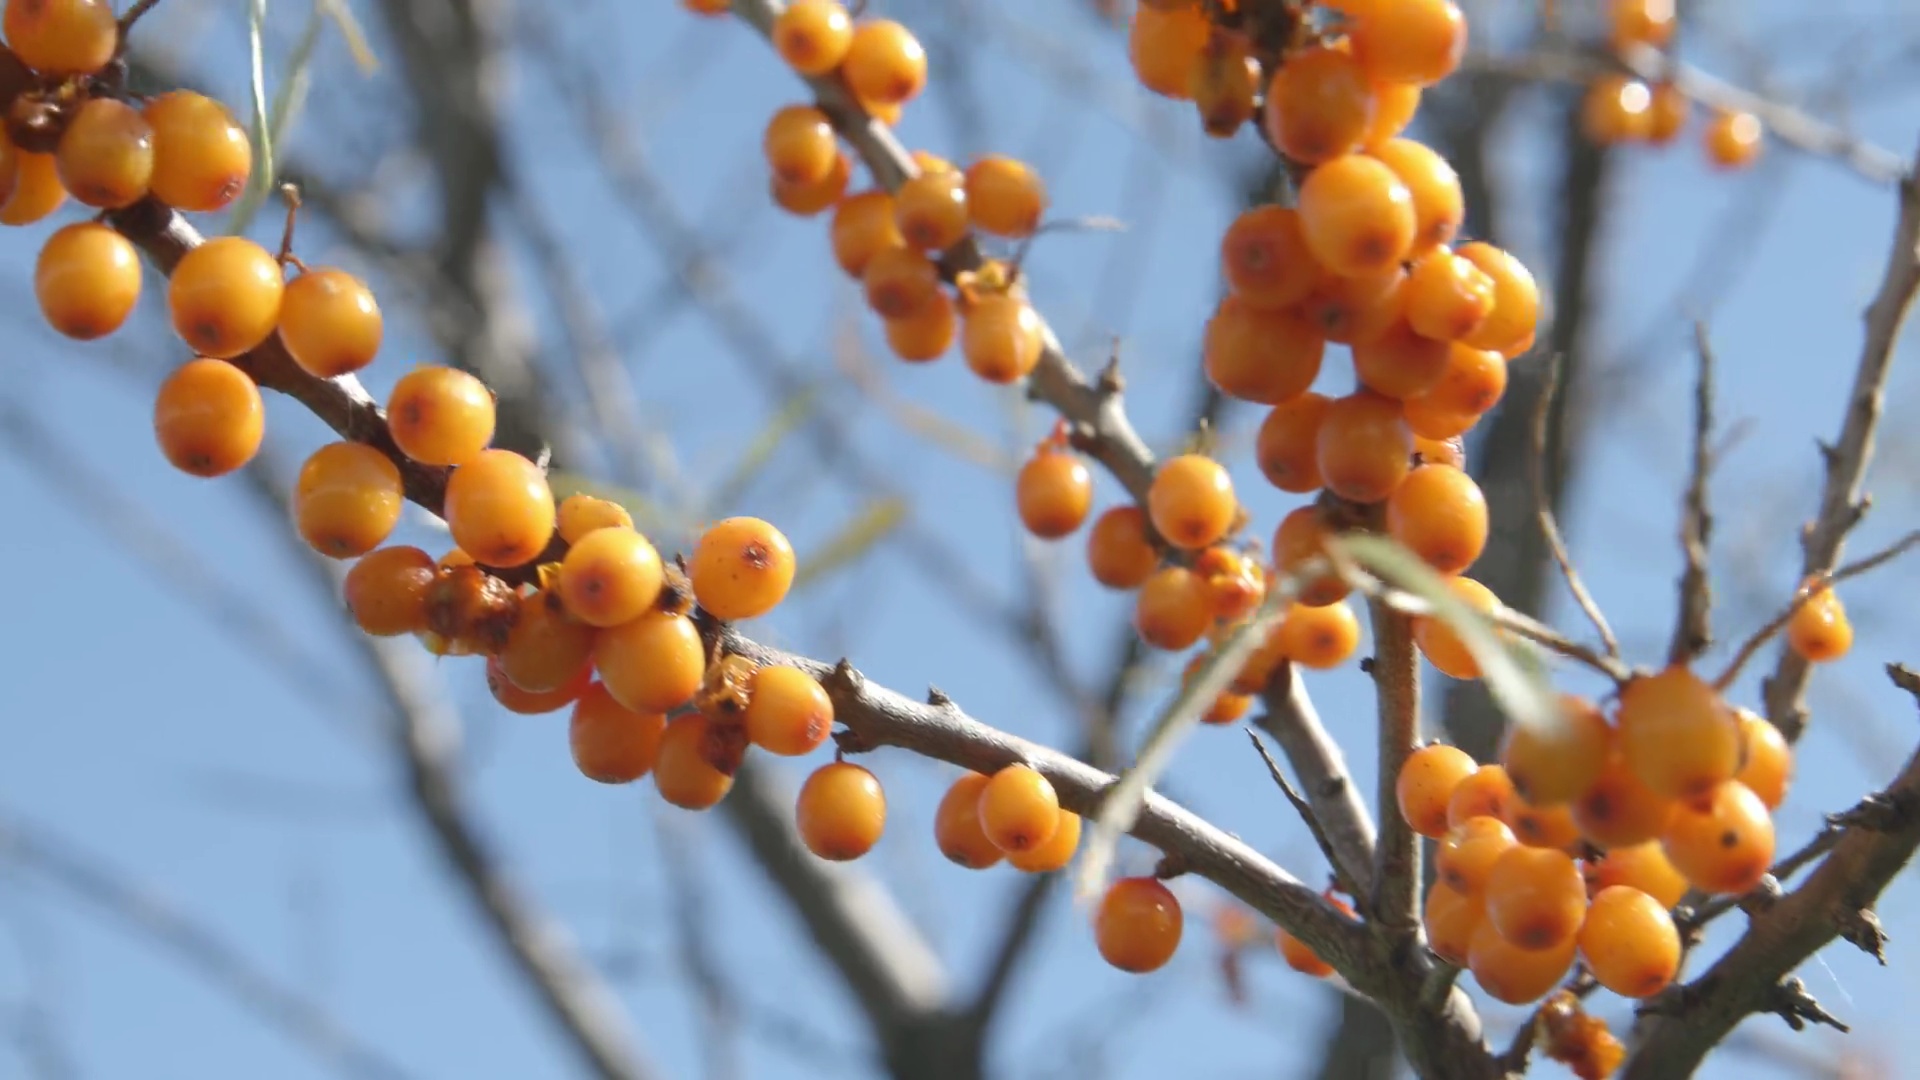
1803 597
291 193
133 15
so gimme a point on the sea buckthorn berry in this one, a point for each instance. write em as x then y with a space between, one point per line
1642 866
1679 736
62 37
1439 207
1666 113
1235 582
1766 761
1642 22
1430 420
927 334
1512 974
1299 955
610 577
347 499
1474 382
1451 917
681 770
546 648
225 296
929 162
1165 44
788 712
440 415
1358 215
1394 105
1365 449
900 282
610 742
1734 139
863 226
1516 299
87 280
799 144
1535 896
1448 451
1542 826
1000 337
1562 761
1819 632
475 612
1138 924
36 189
1319 104
1319 637
1465 856
1118 552
957 829
1437 641
1400 363
841 811
1191 501
9 154
1056 853
741 568
454 558
1448 297
1265 260
330 323
202 157
1258 672
1287 446
1426 783
512 698
885 63
1300 536
1019 809
1629 942
386 591
654 663
1617 109
1352 310
814 196
1054 492
579 515
1261 355
1224 85
105 157
1486 792
1439 513
1173 609
930 210
1721 841
1005 197
499 508
813 36
1418 41
1618 810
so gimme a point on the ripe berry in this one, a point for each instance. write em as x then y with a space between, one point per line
1473 384
1118 551
1680 738
900 282
930 210
386 591
841 811
1450 918
1542 826
440 415
1516 300
1722 841
330 323
1766 761
87 280
1287 446
1486 792
926 334
957 830
611 576
347 499
1629 942
799 144
1448 297
1560 762
1173 608
1426 783
1439 513
1138 924
1319 105
62 37
1359 217
499 508
1056 853
1400 363
105 157
1019 809
1394 105
1642 22
511 697
1261 355
1617 109
1235 582
36 190
1512 974
1191 501
681 770
1617 809
1165 44
1351 310
1299 955
788 712
201 155
1365 449
1319 637
1437 641
579 515
1643 866
547 648
1054 492
863 226
1819 631
1223 85
1448 451
885 63
1667 113
1420 42
1535 896
1301 536
1265 260
741 568
225 296
611 743
813 36
709 8
814 196
1000 335
654 663
1466 854
1439 207
1005 197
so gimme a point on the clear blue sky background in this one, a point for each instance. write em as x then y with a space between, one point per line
138 726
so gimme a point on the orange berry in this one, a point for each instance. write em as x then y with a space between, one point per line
1617 809
1819 631
62 37
455 558
1319 105
813 36
386 591
1643 866
1000 335
814 196
681 770
1165 44
87 280
1420 41
1516 299
1439 513
885 63
611 743
1299 955
1018 809
1542 826
1429 420
1191 501
1617 109
1287 446
1365 449
1451 917
900 282
105 157
1473 384
523 702
788 712
1512 974
1486 792
347 499
1054 492
863 226
1440 451
930 210
1680 738
330 323
799 144
741 568
1466 854
547 648
1138 924
1766 761
1400 363
1358 216
1722 841
926 334
1437 641
1535 896
841 811
1265 260
1561 762
1005 197
1666 113
208 418
1173 609
499 508
611 576
225 296
1394 105
1118 552
1439 207
1351 310
1629 942
1642 22
579 515
654 663
1223 85
1448 297
1319 637
1426 783
440 415
957 829
36 190
1235 583
1261 355
202 157
1300 536
1056 853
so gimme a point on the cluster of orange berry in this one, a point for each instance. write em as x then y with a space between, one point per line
1620 108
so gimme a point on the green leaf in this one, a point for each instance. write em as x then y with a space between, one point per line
873 523
760 451
647 517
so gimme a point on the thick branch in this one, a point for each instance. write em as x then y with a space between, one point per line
1396 677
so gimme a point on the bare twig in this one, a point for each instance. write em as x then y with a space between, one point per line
1395 901
1549 524
1504 617
1693 631
1291 720
1305 810
1802 597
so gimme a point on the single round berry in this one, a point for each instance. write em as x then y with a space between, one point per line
1019 809
37 191
1734 140
654 663
1450 918
1138 925
1514 974
87 280
1319 637
957 830
105 157
1642 866
202 157
1173 609
1001 337
1365 447
1819 631
927 334
499 508
62 37
1119 553
1319 105
1558 762
1426 783
1056 853
1439 207
1261 355
1191 501
611 576
1235 582
799 144
347 499
1358 216
1465 856
1416 41
547 648
788 712
930 210
225 296
1642 22
1766 761
208 418
1516 300
1165 43
386 591
1486 792
741 568
1667 113
1617 809
1722 841
813 36
1300 538
330 323
864 224
1439 513
1542 826
440 415
611 743
512 698
579 515
1299 955
814 196
1265 260
1629 942
1394 105
900 282
1400 364
1474 382
1353 310
681 769
1679 736
885 63
1005 197
1448 297
1287 446
841 811
1617 109
1054 492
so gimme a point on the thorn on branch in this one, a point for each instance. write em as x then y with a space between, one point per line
845 679
1170 866
1906 679
938 698
1861 928
848 741
1791 1002
1110 383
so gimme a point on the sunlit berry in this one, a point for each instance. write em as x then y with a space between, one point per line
440 415
1400 363
202 157
885 63
930 210
347 499
1511 973
1819 631
1118 552
1766 761
1353 310
957 830
1474 382
1416 41
841 811
1173 608
1466 854
1516 299
1358 216
788 712
654 663
208 418
1056 853
512 698
330 323
1679 736
1137 926
1439 513
1265 260
1425 784
1365 447
499 508
1641 22
611 576
1561 761
799 144
62 37
681 771
1542 826
546 648
225 296
899 282
1019 809
1319 105
1437 640
610 742
1667 113
1617 109
1054 492
1448 297
1261 355
1535 896
1394 105
1165 43
386 590
1450 918
863 226
741 568
1643 866
1723 840
1287 445
1300 537
813 196
87 280
35 190
1319 637
813 36
1629 942
579 515
1001 338
1486 792
1191 501
927 334
105 156
1618 809
1005 197
1439 207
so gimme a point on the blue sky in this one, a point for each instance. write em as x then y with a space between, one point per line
150 733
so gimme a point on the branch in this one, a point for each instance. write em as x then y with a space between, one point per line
1549 522
1341 878
1291 720
1395 902
1693 632
1804 596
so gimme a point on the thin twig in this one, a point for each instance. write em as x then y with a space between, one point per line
1290 719
1300 806
1803 596
1549 526
1693 631
1395 900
